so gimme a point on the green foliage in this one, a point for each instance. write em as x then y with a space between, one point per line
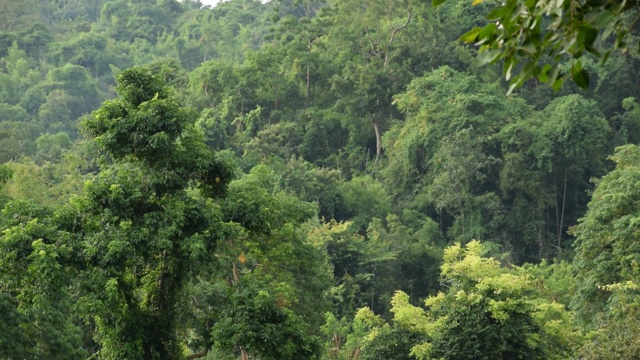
614 335
548 160
268 281
367 140
355 264
76 82
391 342
541 34
364 198
5 174
627 124
13 113
368 337
36 279
51 148
258 322
606 251
139 229
309 183
487 312
444 159
46 184
18 139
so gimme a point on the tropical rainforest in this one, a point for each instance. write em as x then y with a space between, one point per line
338 179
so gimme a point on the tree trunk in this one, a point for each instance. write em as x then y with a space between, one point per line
236 278
564 199
308 85
235 274
378 141
275 90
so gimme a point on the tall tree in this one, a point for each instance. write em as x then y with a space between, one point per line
141 226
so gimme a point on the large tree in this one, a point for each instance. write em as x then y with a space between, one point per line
148 221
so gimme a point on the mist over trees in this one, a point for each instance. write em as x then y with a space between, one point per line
319 180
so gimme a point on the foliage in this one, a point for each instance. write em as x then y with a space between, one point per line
143 198
605 239
543 33
258 322
36 276
487 312
367 141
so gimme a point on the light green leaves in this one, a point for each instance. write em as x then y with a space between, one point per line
487 312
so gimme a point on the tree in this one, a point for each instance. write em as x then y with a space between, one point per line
15 14
548 160
606 262
51 148
5 175
82 94
444 159
369 337
55 113
606 246
372 40
457 165
264 295
139 228
259 323
36 304
363 199
486 312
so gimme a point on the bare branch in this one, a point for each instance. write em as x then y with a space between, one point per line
396 30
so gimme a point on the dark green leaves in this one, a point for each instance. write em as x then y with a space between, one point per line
542 31
581 78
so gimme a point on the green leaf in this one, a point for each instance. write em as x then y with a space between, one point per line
606 57
581 78
593 50
555 74
557 84
488 56
528 48
543 77
587 35
471 35
603 19
498 13
513 85
487 31
435 3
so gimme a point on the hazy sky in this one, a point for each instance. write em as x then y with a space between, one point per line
209 2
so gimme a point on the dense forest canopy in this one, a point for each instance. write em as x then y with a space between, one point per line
302 179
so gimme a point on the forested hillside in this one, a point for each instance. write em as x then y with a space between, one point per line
303 179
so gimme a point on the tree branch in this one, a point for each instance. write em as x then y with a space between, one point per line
396 30
199 355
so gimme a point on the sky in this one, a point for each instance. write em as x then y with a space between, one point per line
209 2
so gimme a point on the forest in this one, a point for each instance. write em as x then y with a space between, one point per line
330 179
